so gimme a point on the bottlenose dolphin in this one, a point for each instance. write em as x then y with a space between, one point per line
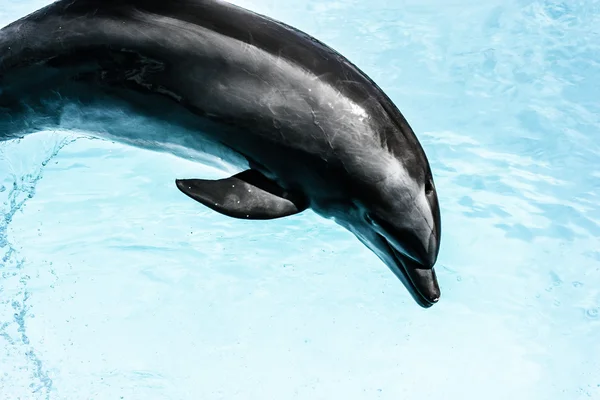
309 128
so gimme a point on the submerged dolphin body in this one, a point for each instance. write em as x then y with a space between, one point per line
204 76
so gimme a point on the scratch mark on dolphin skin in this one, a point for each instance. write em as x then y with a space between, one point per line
329 138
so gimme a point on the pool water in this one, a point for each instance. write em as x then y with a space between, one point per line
114 285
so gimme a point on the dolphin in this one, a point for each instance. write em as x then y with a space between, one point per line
190 77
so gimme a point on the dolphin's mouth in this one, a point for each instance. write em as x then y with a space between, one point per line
421 282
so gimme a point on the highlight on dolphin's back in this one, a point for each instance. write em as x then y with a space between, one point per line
308 128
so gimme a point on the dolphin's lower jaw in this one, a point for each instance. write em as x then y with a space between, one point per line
421 282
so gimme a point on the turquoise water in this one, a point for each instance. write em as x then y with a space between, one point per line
114 285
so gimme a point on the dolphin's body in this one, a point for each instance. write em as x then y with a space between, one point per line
310 128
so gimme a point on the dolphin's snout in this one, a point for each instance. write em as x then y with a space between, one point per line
426 282
419 280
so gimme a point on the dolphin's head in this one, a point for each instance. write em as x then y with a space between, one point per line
392 207
398 218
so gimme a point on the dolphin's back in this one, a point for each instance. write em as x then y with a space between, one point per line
53 29
213 48
67 24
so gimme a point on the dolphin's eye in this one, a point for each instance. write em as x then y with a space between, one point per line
428 187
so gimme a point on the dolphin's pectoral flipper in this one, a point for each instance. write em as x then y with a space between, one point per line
247 195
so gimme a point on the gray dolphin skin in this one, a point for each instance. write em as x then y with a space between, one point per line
191 77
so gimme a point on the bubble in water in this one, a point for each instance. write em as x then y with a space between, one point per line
592 313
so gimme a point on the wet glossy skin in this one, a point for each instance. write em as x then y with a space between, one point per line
296 110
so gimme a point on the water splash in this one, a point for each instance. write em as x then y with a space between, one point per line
27 367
